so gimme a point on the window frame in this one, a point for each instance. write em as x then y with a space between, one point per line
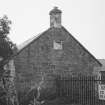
60 45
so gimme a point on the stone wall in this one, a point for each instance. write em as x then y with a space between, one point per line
9 83
39 59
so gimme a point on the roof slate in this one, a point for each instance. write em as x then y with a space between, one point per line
102 61
21 46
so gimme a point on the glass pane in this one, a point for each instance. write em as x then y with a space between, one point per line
102 77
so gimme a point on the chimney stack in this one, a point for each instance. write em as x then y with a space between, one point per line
55 18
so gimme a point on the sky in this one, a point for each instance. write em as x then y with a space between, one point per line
84 19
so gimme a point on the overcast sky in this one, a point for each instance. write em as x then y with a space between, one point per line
84 19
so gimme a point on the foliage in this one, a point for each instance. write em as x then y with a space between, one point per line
6 45
6 51
4 26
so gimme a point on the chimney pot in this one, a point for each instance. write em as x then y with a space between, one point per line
55 17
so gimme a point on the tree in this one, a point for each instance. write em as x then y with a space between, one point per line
6 51
6 45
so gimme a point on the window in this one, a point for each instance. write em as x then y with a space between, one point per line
1 58
102 77
57 45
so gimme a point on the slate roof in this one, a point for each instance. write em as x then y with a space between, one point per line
31 40
102 61
21 46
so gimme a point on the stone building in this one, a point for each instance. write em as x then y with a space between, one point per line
54 52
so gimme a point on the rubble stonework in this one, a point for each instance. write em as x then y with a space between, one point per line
9 79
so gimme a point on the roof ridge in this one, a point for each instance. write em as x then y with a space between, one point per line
28 41
83 47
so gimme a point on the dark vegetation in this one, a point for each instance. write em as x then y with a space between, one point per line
6 51
76 90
